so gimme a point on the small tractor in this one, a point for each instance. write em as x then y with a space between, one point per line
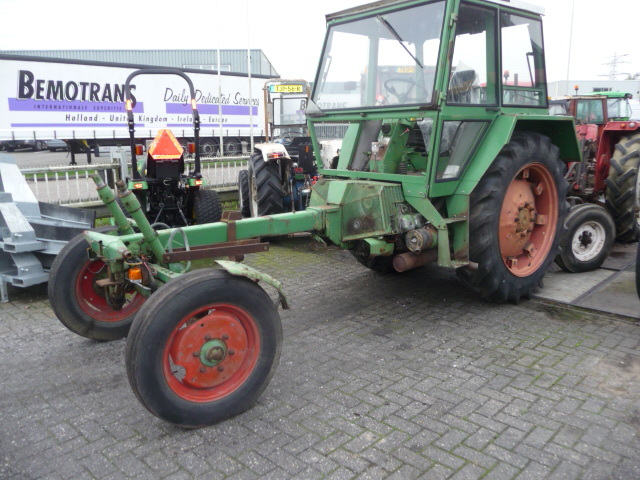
459 168
603 186
167 195
282 171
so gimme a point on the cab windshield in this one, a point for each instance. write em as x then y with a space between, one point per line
618 108
387 59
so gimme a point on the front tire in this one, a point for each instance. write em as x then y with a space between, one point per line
204 349
516 214
623 194
587 240
79 303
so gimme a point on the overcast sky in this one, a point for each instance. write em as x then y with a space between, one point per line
291 32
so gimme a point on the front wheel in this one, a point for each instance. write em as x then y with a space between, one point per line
587 240
204 349
79 303
516 214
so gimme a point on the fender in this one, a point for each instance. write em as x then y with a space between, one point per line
272 151
560 130
241 270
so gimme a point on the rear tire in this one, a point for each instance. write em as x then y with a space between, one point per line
78 303
516 215
265 187
207 206
623 194
205 349
587 239
638 271
232 147
244 194
208 147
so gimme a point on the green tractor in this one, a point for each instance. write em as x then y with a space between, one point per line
444 160
169 196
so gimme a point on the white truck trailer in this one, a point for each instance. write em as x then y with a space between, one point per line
82 103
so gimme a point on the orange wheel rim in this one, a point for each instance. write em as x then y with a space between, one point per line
211 352
528 220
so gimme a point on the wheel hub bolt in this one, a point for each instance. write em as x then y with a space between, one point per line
220 368
215 354
225 336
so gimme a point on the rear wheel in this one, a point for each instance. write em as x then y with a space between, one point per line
208 356
623 194
244 194
38 145
208 147
232 147
587 240
265 187
513 249
207 206
79 303
638 271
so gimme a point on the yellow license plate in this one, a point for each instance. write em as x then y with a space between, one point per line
285 88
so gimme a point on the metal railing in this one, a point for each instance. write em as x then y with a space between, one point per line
72 185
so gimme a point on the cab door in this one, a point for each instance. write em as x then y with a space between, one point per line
471 100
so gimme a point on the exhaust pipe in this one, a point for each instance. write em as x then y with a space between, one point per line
409 260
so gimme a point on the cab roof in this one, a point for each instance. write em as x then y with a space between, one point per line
517 4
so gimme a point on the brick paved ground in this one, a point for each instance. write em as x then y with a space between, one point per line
380 377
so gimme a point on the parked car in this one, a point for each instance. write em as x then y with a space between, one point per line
11 145
54 145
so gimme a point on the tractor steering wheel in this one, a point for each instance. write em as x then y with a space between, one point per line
402 97
289 135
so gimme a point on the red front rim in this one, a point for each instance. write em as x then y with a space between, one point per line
211 352
92 299
528 220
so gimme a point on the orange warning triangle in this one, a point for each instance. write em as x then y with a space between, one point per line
165 146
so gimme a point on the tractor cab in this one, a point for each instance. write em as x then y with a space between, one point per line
600 108
419 97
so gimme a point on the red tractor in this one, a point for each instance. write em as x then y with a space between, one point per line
607 176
